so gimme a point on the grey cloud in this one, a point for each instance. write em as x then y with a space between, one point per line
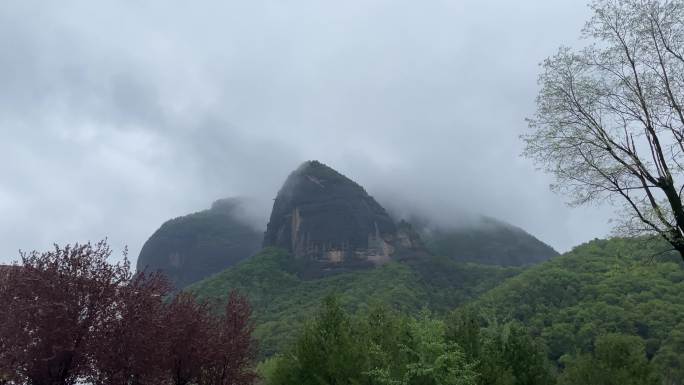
116 116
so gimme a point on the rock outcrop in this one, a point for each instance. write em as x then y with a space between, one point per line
322 217
192 247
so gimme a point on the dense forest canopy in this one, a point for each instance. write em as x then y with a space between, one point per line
618 287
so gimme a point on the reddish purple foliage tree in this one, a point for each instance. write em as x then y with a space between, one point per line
189 338
233 349
131 346
52 307
69 315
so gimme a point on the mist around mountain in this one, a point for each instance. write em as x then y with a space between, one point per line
329 224
195 246
484 240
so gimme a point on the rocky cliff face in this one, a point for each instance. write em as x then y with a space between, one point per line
194 246
323 217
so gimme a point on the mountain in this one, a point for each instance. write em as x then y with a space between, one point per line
194 246
330 224
283 300
483 240
327 235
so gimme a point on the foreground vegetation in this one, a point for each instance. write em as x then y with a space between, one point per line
380 346
608 312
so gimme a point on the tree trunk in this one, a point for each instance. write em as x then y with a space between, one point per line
676 239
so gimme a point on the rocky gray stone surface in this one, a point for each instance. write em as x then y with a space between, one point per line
323 217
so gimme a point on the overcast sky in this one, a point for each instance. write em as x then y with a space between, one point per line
116 116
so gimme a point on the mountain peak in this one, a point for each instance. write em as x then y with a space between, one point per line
194 246
323 217
316 175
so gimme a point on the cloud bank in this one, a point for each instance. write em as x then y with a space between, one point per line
116 116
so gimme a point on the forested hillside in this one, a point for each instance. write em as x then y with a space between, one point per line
600 293
282 300
617 286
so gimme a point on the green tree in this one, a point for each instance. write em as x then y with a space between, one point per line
670 357
463 327
510 355
616 360
327 352
385 331
504 354
430 358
